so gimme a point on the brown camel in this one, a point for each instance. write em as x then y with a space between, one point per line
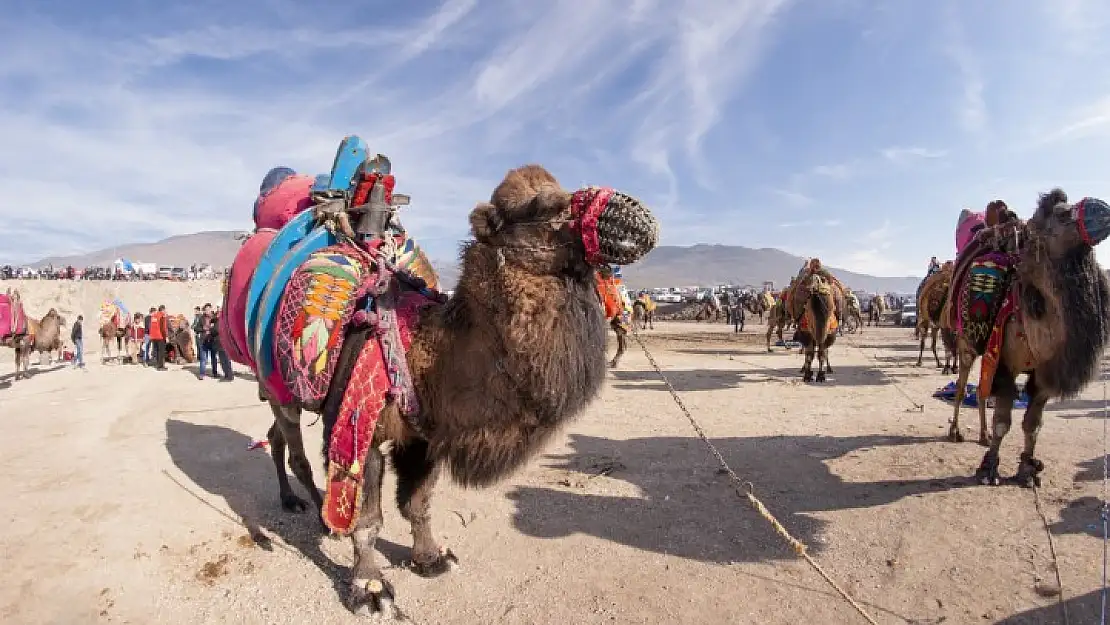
1056 331
817 324
16 332
777 320
515 353
933 297
181 341
877 310
643 312
47 336
109 333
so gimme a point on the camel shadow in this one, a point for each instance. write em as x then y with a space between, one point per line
1082 609
7 379
688 508
683 380
216 459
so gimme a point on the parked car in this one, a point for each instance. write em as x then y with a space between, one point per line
907 316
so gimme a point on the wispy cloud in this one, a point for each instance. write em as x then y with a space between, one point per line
793 198
902 155
970 105
827 223
839 171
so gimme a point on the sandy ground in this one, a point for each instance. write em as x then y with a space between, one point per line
127 492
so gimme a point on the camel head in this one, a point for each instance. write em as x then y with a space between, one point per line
534 224
1064 227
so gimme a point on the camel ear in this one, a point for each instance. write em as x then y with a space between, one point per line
485 221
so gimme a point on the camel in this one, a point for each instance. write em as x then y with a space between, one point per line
15 331
754 303
710 309
877 310
817 325
931 300
109 333
608 293
643 312
777 320
180 341
1036 302
516 352
47 336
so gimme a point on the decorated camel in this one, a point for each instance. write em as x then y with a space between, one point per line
180 344
113 324
932 297
1030 298
612 302
853 318
817 323
643 312
756 303
14 330
475 384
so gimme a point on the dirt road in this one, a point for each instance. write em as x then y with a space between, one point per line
127 494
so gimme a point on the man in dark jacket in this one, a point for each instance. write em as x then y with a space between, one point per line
145 355
200 323
77 335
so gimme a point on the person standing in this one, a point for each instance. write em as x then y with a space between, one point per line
158 334
136 335
225 360
200 319
77 335
146 338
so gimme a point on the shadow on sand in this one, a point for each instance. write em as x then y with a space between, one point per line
685 380
687 508
1082 609
194 370
216 459
8 379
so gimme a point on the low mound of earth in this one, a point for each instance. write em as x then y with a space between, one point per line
152 509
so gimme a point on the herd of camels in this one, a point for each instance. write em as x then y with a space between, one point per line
519 349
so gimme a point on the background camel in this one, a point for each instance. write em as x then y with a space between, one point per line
517 351
180 344
47 336
14 330
755 303
817 325
1057 333
643 312
932 298
110 335
876 311
777 320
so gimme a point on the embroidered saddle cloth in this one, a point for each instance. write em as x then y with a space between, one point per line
13 321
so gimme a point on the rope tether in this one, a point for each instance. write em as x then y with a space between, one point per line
747 490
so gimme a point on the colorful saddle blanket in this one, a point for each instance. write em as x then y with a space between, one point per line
316 307
978 295
371 387
13 321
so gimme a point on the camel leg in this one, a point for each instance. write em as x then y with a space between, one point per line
288 422
807 366
369 590
289 501
416 478
1005 391
948 338
965 361
822 351
934 330
921 346
828 363
615 324
1029 467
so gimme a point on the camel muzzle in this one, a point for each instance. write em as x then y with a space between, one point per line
1093 219
616 228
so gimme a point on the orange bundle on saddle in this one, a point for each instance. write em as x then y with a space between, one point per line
610 296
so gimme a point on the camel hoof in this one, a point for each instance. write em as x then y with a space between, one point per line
985 441
612 364
828 369
955 435
820 376
807 376
435 566
371 597
293 503
987 473
1028 473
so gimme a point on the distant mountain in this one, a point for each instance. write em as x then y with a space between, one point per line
697 265
704 265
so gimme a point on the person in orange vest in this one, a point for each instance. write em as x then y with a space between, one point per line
159 330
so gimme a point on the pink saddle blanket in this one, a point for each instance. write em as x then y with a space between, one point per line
13 321
233 322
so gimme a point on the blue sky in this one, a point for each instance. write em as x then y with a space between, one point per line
846 129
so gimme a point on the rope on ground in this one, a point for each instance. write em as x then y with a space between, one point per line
916 406
747 489
1052 550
